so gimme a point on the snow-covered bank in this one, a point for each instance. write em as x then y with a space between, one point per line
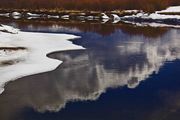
33 59
153 16
157 17
169 17
172 9
113 17
5 28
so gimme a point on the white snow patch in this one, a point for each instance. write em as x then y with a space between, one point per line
35 59
154 16
5 14
66 17
7 54
116 18
104 21
172 9
16 14
53 16
9 29
33 15
131 11
159 16
104 16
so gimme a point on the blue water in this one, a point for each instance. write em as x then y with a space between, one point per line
153 99
125 73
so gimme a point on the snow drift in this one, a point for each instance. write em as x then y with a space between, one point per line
32 59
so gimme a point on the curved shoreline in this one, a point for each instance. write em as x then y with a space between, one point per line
35 60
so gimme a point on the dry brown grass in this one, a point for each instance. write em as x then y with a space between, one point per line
88 5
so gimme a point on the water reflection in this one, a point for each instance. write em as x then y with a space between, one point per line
76 27
116 60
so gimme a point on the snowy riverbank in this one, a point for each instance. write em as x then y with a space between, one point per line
169 17
25 53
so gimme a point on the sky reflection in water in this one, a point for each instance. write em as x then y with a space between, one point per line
144 70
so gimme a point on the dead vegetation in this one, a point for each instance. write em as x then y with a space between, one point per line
87 5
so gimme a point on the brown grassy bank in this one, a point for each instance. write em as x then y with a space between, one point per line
87 5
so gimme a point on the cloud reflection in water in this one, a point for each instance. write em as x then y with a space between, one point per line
124 60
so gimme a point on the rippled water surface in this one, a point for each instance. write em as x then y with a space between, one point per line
125 73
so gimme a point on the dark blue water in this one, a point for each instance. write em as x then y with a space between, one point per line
125 73
157 98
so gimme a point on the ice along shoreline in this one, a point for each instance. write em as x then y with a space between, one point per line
17 63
